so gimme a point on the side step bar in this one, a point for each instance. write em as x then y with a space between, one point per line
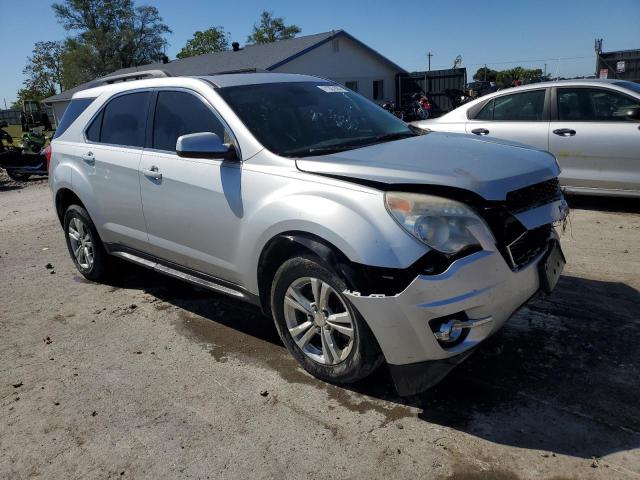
211 285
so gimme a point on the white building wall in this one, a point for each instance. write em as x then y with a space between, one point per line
345 62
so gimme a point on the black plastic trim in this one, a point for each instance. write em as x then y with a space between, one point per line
247 296
414 378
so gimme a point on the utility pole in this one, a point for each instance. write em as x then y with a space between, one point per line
485 72
545 69
429 55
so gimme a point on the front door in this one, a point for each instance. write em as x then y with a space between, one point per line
520 117
191 206
596 145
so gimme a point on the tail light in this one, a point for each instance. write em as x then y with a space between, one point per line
47 155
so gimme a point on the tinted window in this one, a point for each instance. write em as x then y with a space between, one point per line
180 113
519 107
486 113
93 132
298 119
73 111
593 105
124 120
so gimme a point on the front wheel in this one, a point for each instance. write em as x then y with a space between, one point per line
318 324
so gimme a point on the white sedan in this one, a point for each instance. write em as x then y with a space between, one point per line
591 126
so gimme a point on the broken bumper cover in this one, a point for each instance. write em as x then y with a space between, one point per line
480 288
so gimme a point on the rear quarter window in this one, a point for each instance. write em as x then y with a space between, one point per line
73 111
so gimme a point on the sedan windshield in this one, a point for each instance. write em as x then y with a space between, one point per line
298 119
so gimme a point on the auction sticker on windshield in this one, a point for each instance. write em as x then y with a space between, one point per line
332 88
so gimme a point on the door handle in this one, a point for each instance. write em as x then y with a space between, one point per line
152 172
565 132
480 131
89 158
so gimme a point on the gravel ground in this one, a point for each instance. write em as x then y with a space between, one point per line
148 377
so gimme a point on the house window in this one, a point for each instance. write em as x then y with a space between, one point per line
378 90
353 85
336 45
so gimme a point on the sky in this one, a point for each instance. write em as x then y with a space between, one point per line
501 34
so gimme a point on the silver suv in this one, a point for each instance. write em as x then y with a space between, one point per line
366 240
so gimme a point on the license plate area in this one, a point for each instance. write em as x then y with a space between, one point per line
551 267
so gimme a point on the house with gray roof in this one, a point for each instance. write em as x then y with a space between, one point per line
334 55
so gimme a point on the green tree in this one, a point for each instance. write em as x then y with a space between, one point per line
485 73
110 34
43 71
213 39
271 29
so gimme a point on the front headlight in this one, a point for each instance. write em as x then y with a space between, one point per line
440 223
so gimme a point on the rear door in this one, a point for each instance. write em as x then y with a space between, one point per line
520 117
192 206
110 159
596 145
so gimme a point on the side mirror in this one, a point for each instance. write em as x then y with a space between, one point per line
633 113
204 145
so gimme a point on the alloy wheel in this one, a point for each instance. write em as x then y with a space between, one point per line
81 243
318 320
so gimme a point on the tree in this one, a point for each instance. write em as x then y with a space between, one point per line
271 29
485 73
44 68
213 39
111 34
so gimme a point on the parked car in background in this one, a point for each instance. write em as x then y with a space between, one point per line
591 126
366 240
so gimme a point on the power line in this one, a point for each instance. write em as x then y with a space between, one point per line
530 60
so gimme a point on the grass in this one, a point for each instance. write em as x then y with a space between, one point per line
16 132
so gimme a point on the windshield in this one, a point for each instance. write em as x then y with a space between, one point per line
298 119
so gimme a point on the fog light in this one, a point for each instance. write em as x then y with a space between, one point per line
449 331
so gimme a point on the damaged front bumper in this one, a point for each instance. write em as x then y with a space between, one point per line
479 291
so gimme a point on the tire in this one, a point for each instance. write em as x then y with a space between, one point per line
340 358
18 177
92 261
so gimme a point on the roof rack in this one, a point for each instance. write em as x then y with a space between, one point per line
138 75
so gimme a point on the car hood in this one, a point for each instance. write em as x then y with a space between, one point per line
488 167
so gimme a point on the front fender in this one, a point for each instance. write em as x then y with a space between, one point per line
354 221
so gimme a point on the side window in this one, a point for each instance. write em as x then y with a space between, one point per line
93 132
124 120
486 113
593 105
181 113
72 112
520 107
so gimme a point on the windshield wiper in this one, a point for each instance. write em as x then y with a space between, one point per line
394 136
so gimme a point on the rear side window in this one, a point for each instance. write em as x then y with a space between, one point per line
181 113
518 107
73 111
122 121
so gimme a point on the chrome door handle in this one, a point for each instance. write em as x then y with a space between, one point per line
89 158
480 131
565 132
152 172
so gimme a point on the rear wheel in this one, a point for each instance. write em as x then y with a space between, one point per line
318 324
86 249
